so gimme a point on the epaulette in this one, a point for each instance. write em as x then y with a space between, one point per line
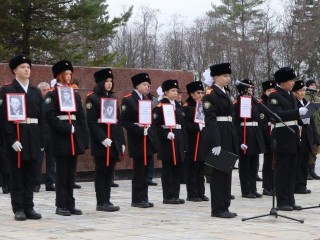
234 101
128 95
209 90
159 104
186 104
6 84
90 94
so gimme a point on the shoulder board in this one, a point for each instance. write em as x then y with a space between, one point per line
128 95
90 94
6 84
186 104
234 101
209 90
159 104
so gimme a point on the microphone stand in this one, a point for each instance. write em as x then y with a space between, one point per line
273 118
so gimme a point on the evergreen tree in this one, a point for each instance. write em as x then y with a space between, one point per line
50 30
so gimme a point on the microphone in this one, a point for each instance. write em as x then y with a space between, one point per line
243 84
312 90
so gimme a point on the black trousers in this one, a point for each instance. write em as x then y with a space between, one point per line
170 179
220 187
267 171
65 173
21 183
247 172
286 171
150 169
103 179
195 178
139 180
302 171
50 166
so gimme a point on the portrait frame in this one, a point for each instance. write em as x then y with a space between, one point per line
245 107
66 105
21 114
105 116
169 115
198 113
145 112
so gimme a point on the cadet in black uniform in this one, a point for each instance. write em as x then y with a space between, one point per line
254 145
284 104
61 131
99 140
267 181
308 139
195 166
219 133
170 174
23 178
135 138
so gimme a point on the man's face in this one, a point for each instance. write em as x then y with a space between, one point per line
66 96
143 88
15 103
288 85
22 71
44 90
222 80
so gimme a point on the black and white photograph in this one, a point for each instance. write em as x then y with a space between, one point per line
199 115
16 107
108 110
66 99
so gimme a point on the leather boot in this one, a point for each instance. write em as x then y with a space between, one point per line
312 172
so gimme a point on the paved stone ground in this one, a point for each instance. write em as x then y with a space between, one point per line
187 221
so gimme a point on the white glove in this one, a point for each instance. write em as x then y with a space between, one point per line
107 142
41 149
72 129
243 146
216 150
145 131
201 126
303 111
170 136
17 146
123 148
306 120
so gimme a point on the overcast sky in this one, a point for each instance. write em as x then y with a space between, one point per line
189 9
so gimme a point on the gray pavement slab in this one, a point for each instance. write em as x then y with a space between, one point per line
188 221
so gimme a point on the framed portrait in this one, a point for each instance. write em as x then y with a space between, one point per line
16 107
245 107
67 100
108 112
199 114
145 112
169 115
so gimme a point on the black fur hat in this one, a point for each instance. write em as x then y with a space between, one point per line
17 60
220 69
61 66
140 78
298 85
284 74
103 74
168 84
194 86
